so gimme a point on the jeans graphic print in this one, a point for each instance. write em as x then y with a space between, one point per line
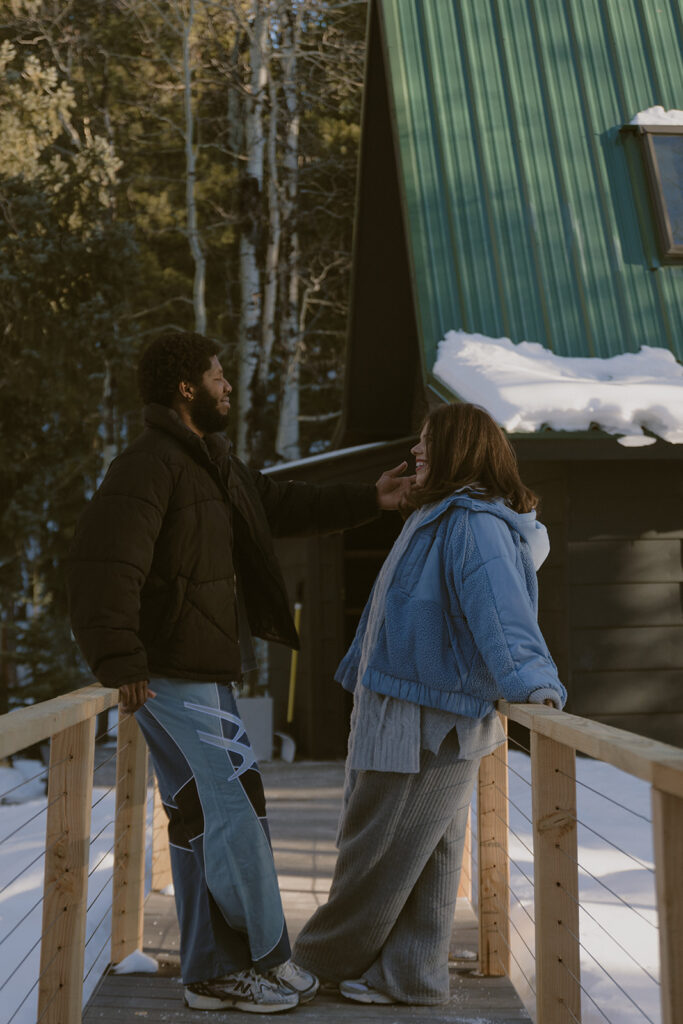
226 889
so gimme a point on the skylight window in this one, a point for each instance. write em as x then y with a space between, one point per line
663 153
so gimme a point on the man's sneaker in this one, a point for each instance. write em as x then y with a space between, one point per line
361 992
246 991
294 977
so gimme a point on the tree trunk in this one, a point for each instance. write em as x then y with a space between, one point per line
198 297
261 445
287 441
273 249
249 343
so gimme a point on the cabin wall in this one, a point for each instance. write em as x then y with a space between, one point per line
625 588
313 570
610 594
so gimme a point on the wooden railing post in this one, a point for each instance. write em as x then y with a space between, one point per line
556 881
67 852
465 884
161 861
129 837
494 866
667 824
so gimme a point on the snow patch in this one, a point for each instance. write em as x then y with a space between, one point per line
136 963
658 115
23 781
526 387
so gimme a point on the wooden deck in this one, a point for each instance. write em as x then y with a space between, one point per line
303 805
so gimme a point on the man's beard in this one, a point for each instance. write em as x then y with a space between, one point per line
205 413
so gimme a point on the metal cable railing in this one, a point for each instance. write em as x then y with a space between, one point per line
31 991
604 970
517 822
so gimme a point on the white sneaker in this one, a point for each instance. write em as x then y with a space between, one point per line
245 990
292 976
361 992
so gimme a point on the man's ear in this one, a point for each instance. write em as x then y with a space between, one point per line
186 390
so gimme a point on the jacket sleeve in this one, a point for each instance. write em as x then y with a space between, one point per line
502 618
295 508
109 562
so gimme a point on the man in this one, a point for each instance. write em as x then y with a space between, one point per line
172 572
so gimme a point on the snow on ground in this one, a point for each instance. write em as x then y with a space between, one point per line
526 387
618 919
22 841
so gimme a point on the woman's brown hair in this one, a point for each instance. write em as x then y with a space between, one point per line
467 449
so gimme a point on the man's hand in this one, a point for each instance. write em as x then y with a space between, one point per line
392 488
132 696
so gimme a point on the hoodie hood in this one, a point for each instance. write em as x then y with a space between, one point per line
524 523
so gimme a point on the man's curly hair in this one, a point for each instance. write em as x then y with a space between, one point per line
170 358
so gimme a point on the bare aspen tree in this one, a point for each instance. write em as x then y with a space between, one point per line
273 248
164 28
249 342
193 237
287 439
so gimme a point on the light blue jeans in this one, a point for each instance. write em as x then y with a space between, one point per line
226 889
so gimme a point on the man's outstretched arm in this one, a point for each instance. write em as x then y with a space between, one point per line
296 508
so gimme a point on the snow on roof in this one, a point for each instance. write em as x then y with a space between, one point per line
526 387
658 115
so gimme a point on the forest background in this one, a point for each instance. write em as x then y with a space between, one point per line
184 164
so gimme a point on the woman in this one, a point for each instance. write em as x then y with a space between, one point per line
450 627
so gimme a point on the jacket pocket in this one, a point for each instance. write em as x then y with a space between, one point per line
215 603
411 566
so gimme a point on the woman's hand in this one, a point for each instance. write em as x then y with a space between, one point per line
132 696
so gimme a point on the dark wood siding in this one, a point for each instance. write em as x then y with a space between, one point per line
625 587
313 568
549 480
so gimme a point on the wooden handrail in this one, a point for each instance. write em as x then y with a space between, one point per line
555 739
657 763
25 726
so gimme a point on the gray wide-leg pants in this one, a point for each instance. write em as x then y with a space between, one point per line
390 910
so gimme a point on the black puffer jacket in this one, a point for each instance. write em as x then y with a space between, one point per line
152 571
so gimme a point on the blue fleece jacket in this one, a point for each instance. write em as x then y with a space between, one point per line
460 623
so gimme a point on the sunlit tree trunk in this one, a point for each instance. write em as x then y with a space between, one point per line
273 247
193 237
249 342
287 441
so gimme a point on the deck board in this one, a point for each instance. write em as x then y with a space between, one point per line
303 806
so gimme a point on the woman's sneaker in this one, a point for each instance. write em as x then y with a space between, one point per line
245 990
292 976
361 992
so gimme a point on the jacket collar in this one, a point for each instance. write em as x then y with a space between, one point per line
465 499
212 446
523 523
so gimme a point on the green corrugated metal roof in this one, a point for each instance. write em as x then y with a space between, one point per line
526 209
